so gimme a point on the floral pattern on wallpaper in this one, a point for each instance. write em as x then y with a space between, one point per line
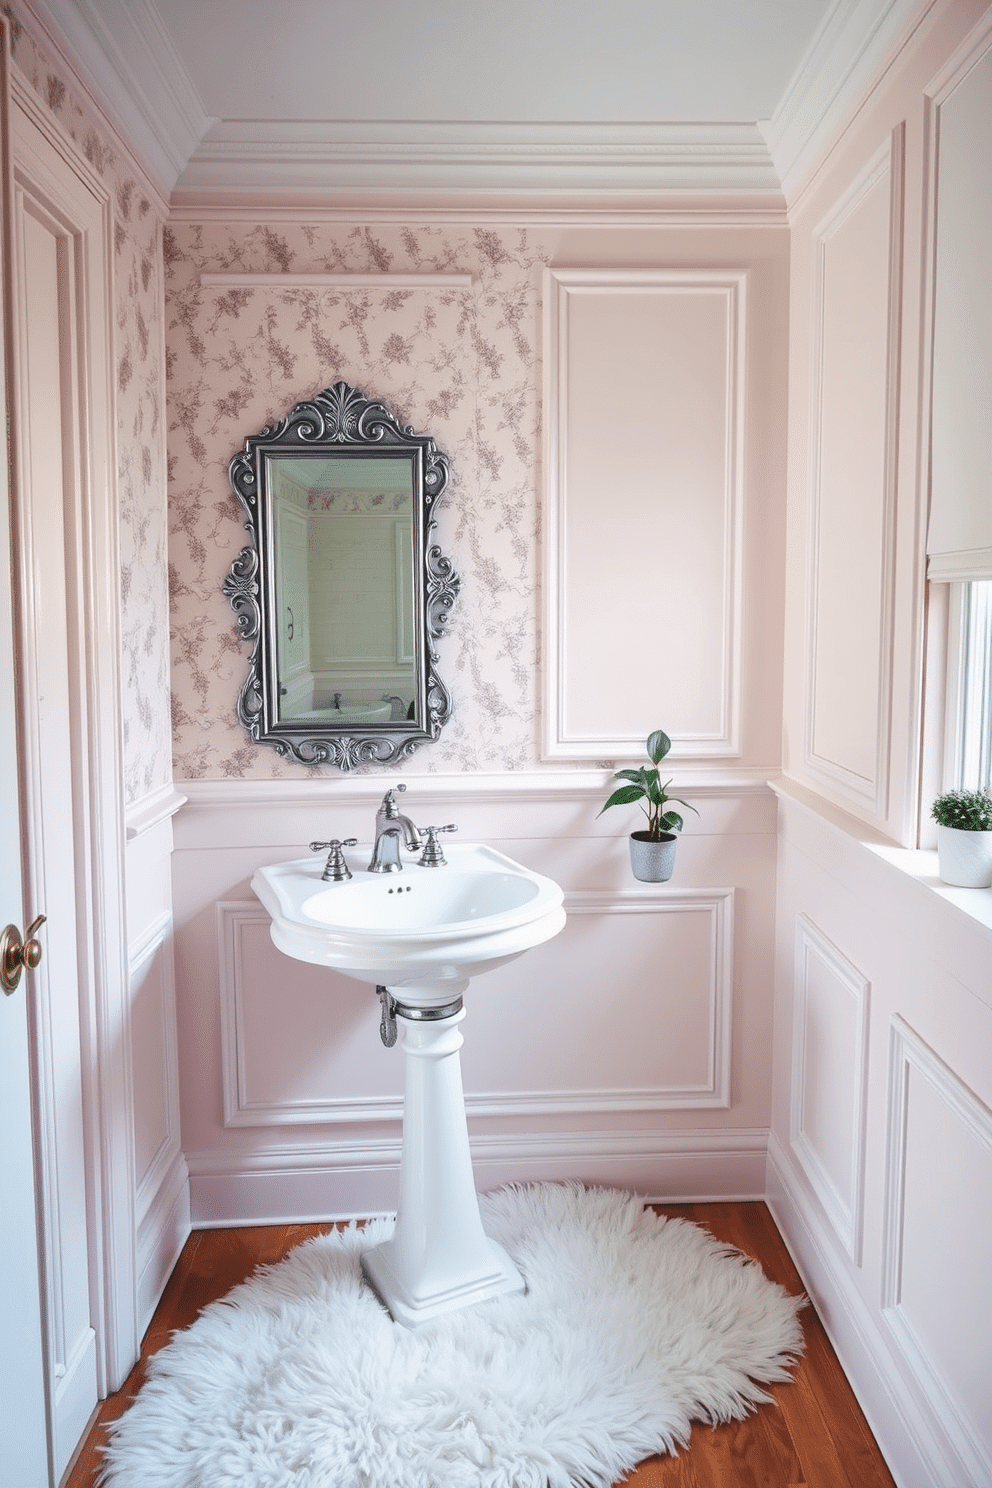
462 364
139 357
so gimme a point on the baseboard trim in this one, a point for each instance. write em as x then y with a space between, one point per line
162 1233
358 1179
913 1442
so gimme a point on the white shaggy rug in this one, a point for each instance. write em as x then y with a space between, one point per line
632 1327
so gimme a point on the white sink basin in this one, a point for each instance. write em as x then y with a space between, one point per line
346 713
423 930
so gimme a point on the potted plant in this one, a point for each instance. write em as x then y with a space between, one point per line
652 852
964 837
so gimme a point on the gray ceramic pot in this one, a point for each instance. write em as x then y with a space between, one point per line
652 862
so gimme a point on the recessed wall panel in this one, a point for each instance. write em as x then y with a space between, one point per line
627 1009
645 389
830 1021
156 1116
633 998
938 1243
852 485
300 1043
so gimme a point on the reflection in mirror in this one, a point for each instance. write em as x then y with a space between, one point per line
342 593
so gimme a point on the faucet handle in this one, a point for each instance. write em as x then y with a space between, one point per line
389 808
336 870
432 856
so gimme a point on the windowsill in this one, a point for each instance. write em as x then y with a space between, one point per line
920 865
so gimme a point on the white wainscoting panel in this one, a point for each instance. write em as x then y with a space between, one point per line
852 482
636 991
631 1049
160 1175
937 1252
153 1052
299 1043
644 411
627 1010
829 1071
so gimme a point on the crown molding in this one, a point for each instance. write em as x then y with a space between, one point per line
293 158
632 209
854 45
126 59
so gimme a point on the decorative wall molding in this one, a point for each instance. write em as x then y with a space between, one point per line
866 791
909 1056
853 50
520 787
642 525
616 210
373 157
337 281
134 77
270 814
241 1109
158 806
843 1205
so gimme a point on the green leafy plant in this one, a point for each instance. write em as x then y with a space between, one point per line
967 810
644 787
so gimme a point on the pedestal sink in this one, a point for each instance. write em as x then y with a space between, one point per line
419 936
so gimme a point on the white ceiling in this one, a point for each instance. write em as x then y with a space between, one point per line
588 98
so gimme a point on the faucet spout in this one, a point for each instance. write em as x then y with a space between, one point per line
386 853
411 837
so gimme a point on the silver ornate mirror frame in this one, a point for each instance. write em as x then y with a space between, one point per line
339 424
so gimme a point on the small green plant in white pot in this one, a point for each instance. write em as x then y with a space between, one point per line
964 837
652 850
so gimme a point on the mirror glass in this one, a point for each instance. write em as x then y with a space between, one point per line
342 592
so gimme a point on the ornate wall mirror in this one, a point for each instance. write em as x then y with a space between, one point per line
342 591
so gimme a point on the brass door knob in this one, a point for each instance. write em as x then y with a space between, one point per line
17 954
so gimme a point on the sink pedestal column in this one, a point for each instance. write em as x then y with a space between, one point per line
439 1258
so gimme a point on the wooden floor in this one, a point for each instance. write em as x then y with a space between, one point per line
813 1436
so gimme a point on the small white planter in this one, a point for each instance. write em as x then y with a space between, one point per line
964 858
652 862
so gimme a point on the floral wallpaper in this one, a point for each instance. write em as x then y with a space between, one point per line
462 364
139 356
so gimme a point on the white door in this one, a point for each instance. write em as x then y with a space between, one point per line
23 1450
59 1032
23 1444
66 592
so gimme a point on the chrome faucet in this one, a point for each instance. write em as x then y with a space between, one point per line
389 826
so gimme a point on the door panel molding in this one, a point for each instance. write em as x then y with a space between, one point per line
61 194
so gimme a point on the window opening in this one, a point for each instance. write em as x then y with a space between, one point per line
972 757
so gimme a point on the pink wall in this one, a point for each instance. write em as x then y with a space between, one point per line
464 365
635 1048
879 1154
